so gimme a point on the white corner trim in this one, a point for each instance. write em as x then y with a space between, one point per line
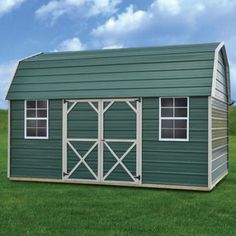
9 140
209 142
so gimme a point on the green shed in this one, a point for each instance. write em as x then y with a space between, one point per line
145 117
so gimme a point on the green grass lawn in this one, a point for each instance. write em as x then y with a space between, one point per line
63 209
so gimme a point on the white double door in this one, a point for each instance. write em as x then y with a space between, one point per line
102 140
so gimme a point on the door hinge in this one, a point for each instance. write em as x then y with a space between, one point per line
137 177
65 174
138 100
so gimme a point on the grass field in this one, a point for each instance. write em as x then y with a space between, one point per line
59 209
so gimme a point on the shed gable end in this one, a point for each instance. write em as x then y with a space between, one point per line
221 82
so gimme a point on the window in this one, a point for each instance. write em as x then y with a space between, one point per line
36 119
173 119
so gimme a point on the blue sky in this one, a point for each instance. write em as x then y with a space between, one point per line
31 26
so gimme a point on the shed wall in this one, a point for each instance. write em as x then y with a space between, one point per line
219 139
163 162
173 162
32 157
220 123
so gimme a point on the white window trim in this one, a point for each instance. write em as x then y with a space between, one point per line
176 118
25 119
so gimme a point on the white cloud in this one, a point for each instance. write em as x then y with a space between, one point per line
6 74
125 23
167 6
7 5
73 44
163 22
103 6
88 8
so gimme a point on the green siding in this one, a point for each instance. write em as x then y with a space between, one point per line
166 71
219 139
36 158
120 123
173 162
82 123
221 90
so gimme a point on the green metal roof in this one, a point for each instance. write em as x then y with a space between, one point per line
182 70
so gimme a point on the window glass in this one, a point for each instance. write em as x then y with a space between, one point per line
167 102
167 124
180 112
167 133
174 119
180 133
36 119
31 132
42 123
179 124
41 113
31 104
31 113
42 132
167 112
31 123
41 104
181 102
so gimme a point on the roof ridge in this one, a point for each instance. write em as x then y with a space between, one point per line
133 48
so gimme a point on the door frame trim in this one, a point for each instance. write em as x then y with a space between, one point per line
100 138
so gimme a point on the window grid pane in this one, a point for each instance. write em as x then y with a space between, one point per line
174 119
36 118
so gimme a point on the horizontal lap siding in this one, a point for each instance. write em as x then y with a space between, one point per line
35 158
219 139
221 84
179 163
167 71
119 123
82 122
